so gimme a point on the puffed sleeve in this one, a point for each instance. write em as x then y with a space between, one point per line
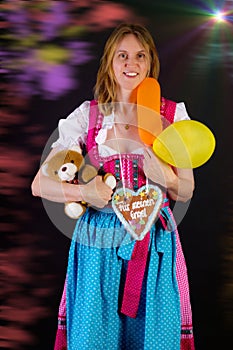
181 112
73 129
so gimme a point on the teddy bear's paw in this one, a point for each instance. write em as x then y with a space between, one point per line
110 180
74 210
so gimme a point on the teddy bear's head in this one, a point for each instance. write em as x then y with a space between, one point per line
64 165
69 165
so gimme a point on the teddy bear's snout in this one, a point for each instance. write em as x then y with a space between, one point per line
67 171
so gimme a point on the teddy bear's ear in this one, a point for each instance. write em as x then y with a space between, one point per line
44 169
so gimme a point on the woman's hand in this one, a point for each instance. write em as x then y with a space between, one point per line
156 170
178 182
96 192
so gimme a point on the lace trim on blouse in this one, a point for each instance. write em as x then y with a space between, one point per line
73 130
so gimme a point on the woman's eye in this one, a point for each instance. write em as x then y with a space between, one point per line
122 55
141 56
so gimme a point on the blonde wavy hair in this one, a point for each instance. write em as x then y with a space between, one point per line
105 88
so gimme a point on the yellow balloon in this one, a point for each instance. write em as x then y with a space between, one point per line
185 144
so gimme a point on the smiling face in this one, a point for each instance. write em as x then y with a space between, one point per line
131 64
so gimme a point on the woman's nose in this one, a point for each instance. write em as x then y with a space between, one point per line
130 61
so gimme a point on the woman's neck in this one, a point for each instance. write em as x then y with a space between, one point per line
127 96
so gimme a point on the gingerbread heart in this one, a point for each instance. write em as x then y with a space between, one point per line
139 210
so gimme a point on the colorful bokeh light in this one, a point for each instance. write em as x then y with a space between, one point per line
219 16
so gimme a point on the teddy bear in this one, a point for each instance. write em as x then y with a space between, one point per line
68 165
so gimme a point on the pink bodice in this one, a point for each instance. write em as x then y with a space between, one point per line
130 164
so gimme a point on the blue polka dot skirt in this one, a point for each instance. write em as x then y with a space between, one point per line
97 266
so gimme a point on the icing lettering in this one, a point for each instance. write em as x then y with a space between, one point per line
142 204
124 207
138 214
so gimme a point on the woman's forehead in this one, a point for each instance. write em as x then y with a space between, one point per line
130 42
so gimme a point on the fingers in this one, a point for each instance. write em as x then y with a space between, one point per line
97 193
153 167
150 157
147 153
103 190
150 160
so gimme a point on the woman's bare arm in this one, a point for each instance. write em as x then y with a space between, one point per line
96 192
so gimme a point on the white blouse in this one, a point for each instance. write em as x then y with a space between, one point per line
73 130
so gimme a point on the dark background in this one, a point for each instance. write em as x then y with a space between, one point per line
51 52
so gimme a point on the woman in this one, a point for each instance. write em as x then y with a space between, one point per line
104 267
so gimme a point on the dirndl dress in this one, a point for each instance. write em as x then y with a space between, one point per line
100 257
